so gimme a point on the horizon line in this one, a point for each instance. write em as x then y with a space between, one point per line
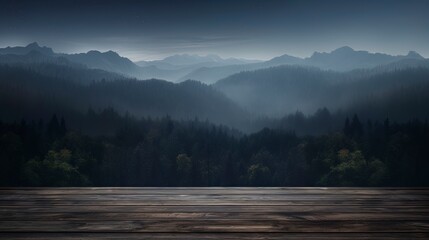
135 60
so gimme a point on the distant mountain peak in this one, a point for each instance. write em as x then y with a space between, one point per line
112 53
21 50
346 58
414 54
285 59
93 52
344 49
108 53
33 45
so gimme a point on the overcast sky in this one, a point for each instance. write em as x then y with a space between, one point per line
254 29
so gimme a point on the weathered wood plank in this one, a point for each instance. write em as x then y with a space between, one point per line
218 208
220 197
242 225
285 216
198 213
379 203
215 236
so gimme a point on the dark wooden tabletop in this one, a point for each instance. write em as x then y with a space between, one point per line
214 213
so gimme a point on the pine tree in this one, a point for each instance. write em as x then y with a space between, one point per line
63 128
347 129
356 127
53 128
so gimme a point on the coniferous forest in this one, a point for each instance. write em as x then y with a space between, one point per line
165 152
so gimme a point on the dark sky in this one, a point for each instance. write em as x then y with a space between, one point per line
257 29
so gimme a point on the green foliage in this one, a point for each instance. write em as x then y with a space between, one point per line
378 173
184 166
259 175
54 170
164 152
350 171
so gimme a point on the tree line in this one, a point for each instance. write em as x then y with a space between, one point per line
166 152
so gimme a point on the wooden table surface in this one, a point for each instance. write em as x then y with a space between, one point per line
214 213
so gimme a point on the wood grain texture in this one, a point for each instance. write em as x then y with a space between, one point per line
214 213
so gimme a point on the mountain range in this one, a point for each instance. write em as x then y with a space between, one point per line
171 68
35 81
341 59
209 68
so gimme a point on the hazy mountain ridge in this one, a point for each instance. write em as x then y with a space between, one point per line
107 61
212 74
277 90
341 59
262 90
32 94
171 68
210 68
175 68
285 89
346 58
27 49
54 66
194 59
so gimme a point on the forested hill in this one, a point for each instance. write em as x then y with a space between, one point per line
33 93
398 92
